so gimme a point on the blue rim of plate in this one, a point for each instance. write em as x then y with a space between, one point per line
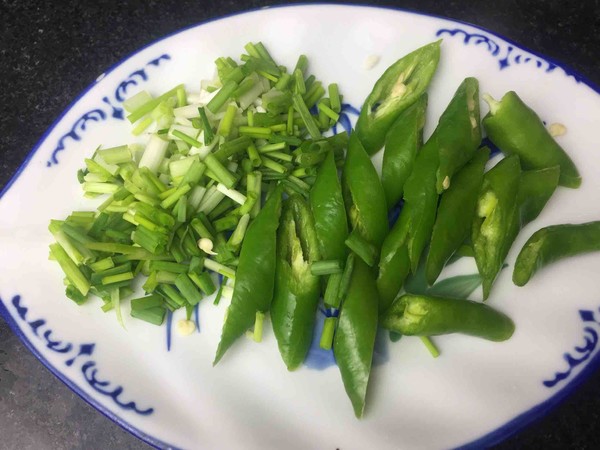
500 434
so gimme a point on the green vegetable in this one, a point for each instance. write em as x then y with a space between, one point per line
296 294
398 88
363 194
455 214
355 335
492 223
517 130
255 275
327 204
402 142
420 315
554 243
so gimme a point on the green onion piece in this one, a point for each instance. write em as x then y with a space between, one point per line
222 96
282 82
273 165
142 125
248 205
240 230
155 315
272 147
430 346
151 283
256 189
181 97
194 173
181 208
115 155
201 229
307 118
72 272
334 98
233 147
256 132
327 334
226 223
185 138
213 265
313 94
299 86
117 278
258 326
204 281
151 301
264 54
208 132
137 100
223 175
364 249
328 111
73 293
346 277
254 155
282 156
188 289
171 199
251 49
331 298
301 64
103 264
227 121
220 291
150 105
327 267
172 294
96 278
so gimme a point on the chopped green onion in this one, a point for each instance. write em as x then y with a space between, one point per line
430 346
334 98
326 267
185 138
188 289
223 175
269 163
204 282
309 122
346 278
103 264
150 301
151 104
258 326
154 315
222 96
117 278
208 132
364 249
326 340
254 155
72 272
213 265
240 230
328 111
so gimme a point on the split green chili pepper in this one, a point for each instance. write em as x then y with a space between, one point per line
296 295
355 335
255 274
535 187
455 214
398 88
493 221
402 142
364 195
451 145
553 243
327 204
420 315
516 129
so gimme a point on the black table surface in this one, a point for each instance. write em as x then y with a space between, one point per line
51 52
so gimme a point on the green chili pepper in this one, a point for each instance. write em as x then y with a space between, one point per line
516 129
421 315
553 243
455 215
458 133
297 291
327 204
535 189
255 274
491 232
364 195
401 145
454 138
398 88
355 335
394 267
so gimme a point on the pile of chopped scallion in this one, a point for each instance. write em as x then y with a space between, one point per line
177 209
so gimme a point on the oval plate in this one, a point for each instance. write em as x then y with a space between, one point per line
162 387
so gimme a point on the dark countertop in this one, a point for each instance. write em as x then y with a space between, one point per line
51 52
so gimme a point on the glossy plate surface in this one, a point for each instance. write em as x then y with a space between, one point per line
476 393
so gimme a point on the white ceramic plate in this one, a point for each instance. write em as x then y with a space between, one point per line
476 393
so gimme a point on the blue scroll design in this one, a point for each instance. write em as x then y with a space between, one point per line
581 353
111 107
82 352
506 54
